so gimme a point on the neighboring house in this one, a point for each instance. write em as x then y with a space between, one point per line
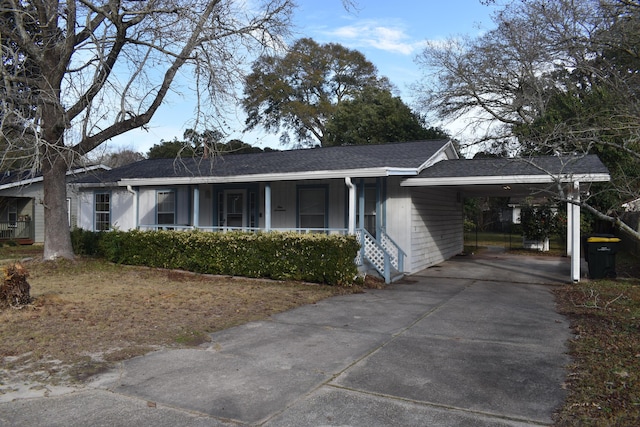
403 200
517 203
21 209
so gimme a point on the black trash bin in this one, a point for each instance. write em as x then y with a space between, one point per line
600 255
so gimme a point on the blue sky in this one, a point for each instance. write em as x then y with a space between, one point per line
390 33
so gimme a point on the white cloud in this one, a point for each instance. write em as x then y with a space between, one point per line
371 33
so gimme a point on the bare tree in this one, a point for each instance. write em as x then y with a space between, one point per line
77 73
504 78
552 77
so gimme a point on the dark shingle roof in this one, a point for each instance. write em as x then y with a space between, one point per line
400 155
589 164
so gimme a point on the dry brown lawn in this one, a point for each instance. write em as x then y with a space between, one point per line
88 314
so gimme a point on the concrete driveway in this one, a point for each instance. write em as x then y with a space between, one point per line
472 342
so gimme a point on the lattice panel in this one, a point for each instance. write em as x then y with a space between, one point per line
391 248
373 252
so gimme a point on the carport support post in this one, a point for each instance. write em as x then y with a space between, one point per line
574 225
569 226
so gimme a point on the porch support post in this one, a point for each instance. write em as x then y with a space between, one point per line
378 206
351 218
267 206
575 233
361 205
196 206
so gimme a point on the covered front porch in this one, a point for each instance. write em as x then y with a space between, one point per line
16 220
354 206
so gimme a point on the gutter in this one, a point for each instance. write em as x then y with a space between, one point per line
504 179
297 176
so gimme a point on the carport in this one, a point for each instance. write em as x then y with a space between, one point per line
565 178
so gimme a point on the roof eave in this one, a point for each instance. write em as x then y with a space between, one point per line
503 179
40 178
296 176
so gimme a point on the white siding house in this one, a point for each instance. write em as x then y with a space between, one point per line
404 201
21 210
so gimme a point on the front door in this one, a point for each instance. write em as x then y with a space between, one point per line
235 211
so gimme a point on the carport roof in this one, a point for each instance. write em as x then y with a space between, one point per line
586 168
508 177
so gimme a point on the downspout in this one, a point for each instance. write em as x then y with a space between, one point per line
135 205
351 220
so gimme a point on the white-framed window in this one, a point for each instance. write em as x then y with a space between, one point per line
312 207
166 207
102 209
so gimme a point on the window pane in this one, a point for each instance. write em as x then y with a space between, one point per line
166 201
312 201
165 218
102 211
311 221
166 207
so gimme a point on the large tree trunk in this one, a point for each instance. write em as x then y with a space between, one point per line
57 237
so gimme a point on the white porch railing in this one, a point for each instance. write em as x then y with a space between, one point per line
222 229
16 230
384 254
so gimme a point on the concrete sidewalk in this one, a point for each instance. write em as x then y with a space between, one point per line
474 341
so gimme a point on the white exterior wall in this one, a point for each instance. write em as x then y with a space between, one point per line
427 223
122 210
205 218
398 217
85 210
146 206
437 226
283 204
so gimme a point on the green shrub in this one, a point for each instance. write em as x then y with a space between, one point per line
86 242
315 258
538 222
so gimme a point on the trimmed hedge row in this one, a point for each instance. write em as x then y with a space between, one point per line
315 258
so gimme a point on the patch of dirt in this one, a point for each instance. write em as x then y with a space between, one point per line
87 315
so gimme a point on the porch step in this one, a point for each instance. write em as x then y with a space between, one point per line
369 269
